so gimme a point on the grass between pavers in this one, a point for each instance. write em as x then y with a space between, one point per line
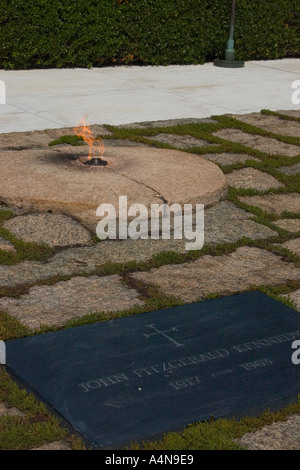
204 131
164 258
219 434
67 139
35 426
25 250
286 117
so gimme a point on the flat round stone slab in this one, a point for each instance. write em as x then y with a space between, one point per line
58 181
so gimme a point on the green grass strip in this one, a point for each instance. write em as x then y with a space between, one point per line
285 117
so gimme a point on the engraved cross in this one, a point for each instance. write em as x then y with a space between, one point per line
163 333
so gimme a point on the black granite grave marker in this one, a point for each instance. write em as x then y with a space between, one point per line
136 377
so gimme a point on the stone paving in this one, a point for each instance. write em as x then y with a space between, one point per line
253 251
263 144
66 300
275 203
250 178
179 141
276 436
270 123
224 275
52 229
290 170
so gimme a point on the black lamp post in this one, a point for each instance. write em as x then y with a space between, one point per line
229 52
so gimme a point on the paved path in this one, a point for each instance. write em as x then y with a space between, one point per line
41 99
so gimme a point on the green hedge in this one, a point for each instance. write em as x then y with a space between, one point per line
85 33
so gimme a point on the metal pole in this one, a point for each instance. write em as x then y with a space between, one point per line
232 19
229 52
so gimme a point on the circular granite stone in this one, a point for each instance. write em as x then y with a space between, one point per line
58 181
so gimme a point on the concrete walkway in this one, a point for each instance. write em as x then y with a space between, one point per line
48 99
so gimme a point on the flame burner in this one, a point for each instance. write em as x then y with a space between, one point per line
95 161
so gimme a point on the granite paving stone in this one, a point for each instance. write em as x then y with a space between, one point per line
293 246
275 203
223 222
84 260
295 297
57 445
10 411
271 123
226 274
294 113
276 436
251 178
263 144
5 245
291 225
229 158
51 229
290 170
66 300
41 138
227 223
181 141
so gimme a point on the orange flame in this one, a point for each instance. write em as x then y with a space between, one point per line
96 146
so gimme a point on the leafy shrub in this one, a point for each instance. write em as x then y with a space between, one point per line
85 33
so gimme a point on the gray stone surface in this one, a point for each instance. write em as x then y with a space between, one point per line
41 139
84 260
14 210
226 223
223 223
276 436
293 246
251 178
229 158
295 297
51 229
10 411
291 225
295 113
5 245
225 274
57 445
66 300
181 141
271 123
264 144
290 170
275 203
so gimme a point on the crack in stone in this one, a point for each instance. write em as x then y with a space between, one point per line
157 194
